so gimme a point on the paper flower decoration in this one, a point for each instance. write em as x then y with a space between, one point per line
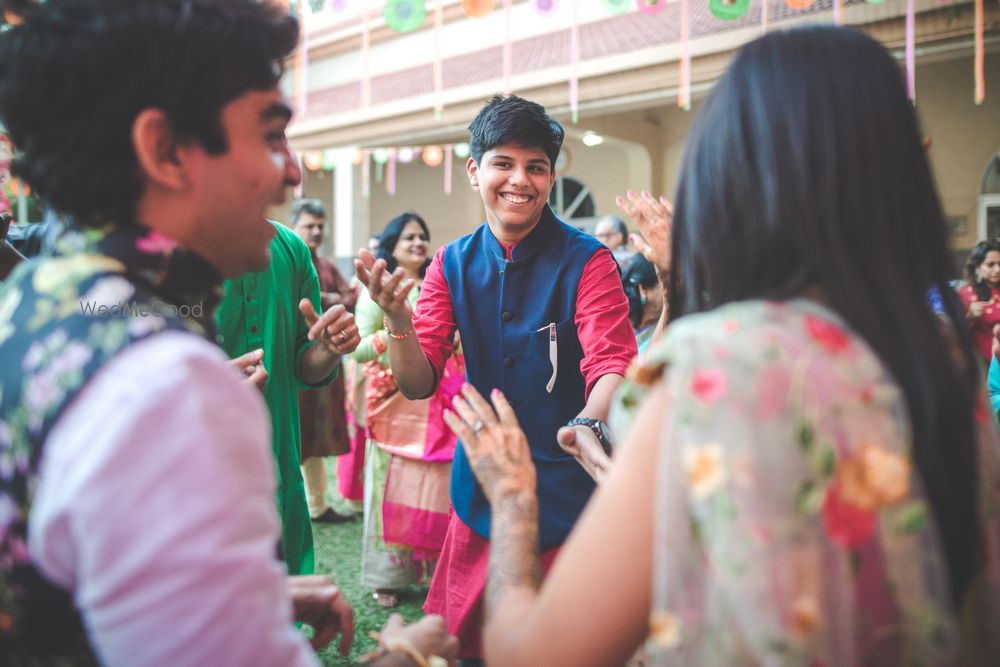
617 7
432 155
545 7
728 10
651 7
476 8
404 15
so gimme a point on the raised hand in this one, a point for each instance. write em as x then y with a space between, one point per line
335 329
494 442
389 291
655 219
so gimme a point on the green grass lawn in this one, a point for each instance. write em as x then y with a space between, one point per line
338 553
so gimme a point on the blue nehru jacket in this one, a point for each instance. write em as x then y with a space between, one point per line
504 309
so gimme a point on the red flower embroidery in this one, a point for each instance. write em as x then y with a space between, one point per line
155 242
708 385
847 525
830 336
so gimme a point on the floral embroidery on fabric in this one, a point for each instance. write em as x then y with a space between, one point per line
62 319
788 507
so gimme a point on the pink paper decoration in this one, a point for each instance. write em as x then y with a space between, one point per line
574 63
684 89
651 7
544 7
438 71
447 169
911 78
980 92
390 177
366 165
508 55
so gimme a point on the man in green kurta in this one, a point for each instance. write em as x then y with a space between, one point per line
274 311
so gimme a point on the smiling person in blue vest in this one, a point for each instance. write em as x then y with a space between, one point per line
543 318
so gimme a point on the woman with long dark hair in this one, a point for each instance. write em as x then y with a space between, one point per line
814 478
409 449
981 294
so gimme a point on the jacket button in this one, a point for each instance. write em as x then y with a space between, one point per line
507 316
507 362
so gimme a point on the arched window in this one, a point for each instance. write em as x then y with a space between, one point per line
989 200
571 199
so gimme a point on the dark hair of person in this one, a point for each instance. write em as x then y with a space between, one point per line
976 258
76 74
390 237
517 121
805 170
313 207
637 272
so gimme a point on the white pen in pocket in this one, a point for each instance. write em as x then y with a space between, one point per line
553 354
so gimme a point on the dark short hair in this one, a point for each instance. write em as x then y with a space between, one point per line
637 272
75 75
836 196
514 120
390 237
313 207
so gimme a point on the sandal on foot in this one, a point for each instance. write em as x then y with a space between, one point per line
386 599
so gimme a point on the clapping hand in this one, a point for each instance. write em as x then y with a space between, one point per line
389 291
655 219
250 366
317 602
335 329
494 442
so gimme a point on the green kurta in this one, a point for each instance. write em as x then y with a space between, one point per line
260 310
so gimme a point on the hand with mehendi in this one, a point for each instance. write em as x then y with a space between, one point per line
654 219
494 442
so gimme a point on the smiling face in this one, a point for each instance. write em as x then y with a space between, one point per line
514 183
310 229
235 189
989 270
411 248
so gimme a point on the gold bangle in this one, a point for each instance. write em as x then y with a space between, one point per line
398 336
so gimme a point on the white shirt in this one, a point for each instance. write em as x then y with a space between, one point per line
156 510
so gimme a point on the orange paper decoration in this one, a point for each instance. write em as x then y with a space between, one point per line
476 8
799 4
313 160
432 155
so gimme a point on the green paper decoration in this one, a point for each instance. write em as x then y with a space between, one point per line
404 15
728 10
617 7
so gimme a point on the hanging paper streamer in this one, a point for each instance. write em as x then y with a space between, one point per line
447 169
476 8
800 4
651 7
911 78
303 78
329 159
366 73
508 56
438 67
765 9
684 89
390 179
338 6
544 7
574 62
617 7
838 12
366 183
728 10
298 188
980 93
875 2
404 15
